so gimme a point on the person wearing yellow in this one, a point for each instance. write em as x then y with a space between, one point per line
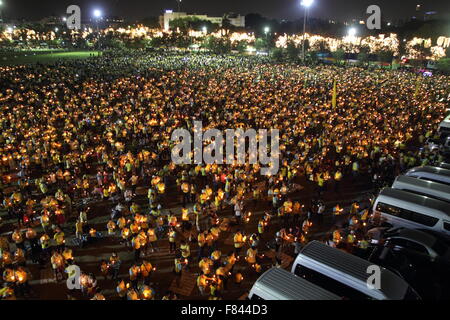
19 257
239 241
172 240
5 258
336 236
201 240
185 188
216 257
59 239
251 255
121 222
185 250
18 239
202 283
215 232
206 265
351 239
121 290
79 229
185 214
146 270
57 261
354 208
337 180
261 226
114 263
136 245
134 273
45 242
111 227
67 255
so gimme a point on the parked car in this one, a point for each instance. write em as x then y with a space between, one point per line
420 257
419 245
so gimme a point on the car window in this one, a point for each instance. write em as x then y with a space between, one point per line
416 247
440 248
447 226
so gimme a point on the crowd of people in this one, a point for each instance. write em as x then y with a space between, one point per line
86 139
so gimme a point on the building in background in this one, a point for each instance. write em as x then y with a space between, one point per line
235 19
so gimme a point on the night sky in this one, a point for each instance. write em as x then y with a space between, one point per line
280 9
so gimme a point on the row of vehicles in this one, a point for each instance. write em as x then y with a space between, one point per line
411 250
321 272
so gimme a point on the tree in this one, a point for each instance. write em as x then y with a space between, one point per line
444 65
218 46
385 56
277 55
151 22
339 55
260 44
423 52
363 55
241 46
292 51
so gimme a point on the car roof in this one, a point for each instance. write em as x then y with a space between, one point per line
284 285
419 200
355 268
431 169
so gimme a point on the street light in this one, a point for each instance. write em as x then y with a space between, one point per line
1 4
97 15
306 4
179 5
266 31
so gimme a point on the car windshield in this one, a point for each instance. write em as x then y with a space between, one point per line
411 294
440 247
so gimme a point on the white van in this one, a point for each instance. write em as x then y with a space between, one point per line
348 276
428 173
430 189
444 127
444 165
279 284
405 209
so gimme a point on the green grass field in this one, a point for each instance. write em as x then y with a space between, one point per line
29 57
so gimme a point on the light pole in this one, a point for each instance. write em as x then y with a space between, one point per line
179 5
1 13
97 16
306 4
266 31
